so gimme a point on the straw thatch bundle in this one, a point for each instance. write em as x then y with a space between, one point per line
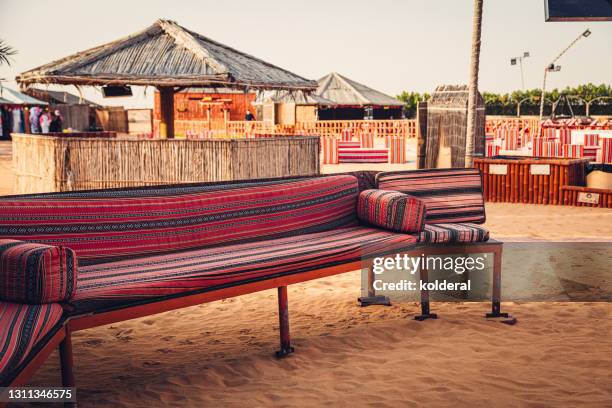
447 125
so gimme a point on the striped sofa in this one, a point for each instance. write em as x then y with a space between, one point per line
74 260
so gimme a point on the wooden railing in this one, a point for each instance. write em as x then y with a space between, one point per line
380 128
529 125
327 128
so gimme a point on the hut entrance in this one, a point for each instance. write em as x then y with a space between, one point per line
446 127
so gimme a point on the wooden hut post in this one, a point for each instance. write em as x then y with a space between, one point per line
421 132
166 99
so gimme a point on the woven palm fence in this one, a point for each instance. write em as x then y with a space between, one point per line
65 164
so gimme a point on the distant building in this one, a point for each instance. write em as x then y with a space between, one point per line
353 101
337 98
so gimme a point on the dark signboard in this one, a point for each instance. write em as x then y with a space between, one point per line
578 10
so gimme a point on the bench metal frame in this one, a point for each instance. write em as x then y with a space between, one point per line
63 337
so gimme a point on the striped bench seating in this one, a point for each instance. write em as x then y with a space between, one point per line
81 259
362 155
119 284
24 329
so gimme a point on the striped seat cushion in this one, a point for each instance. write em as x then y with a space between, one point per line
23 330
342 144
391 210
36 273
451 195
119 284
102 226
360 155
453 233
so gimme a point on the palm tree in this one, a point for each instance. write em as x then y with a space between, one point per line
473 85
6 51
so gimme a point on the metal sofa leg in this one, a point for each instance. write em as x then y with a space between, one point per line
372 298
66 363
425 313
283 320
496 292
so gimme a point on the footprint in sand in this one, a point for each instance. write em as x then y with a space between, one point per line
94 342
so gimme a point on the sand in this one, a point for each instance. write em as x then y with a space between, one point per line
221 354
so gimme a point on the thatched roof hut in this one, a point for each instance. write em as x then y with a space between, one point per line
353 100
169 57
298 98
345 91
165 54
447 127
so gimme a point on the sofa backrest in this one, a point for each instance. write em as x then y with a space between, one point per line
107 225
451 195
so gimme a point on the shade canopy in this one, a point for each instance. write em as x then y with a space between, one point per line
58 97
11 97
166 55
296 97
344 91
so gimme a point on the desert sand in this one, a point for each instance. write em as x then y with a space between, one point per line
221 354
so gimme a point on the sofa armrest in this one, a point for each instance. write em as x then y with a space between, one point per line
36 273
391 210
451 195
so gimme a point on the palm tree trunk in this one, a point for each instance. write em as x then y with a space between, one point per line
473 85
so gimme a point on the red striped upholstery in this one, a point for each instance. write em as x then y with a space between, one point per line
36 273
391 210
115 224
24 329
343 144
117 284
453 233
360 155
451 195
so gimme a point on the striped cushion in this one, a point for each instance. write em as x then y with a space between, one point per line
451 195
117 284
391 210
453 233
23 330
36 273
360 155
102 226
342 144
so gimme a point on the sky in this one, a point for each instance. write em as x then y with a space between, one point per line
389 45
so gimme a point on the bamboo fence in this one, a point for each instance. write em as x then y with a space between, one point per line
530 180
586 196
65 164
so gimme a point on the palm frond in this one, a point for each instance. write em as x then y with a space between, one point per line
6 52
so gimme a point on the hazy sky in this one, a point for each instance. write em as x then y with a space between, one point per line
390 45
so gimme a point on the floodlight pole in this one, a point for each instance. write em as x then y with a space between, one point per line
551 67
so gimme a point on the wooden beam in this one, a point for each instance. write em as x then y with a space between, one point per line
166 105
